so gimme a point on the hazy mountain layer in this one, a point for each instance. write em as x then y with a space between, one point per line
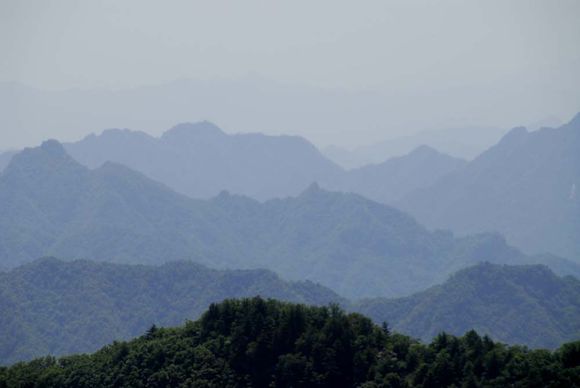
525 187
200 160
526 305
55 307
53 206
396 177
464 143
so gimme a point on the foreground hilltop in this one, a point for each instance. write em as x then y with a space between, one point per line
262 343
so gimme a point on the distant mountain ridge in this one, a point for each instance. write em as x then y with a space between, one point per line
464 143
391 180
526 305
523 187
200 160
53 206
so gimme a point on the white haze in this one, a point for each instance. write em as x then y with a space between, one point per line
336 72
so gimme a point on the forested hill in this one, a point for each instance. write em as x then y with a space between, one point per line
56 307
514 304
258 343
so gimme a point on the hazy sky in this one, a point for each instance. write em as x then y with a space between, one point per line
453 63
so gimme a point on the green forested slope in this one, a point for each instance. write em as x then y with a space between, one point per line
514 304
55 307
257 343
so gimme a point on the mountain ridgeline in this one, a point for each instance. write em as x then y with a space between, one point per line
524 187
261 343
53 206
200 160
393 179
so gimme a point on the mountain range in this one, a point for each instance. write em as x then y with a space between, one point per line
493 193
200 160
524 187
464 143
396 177
54 206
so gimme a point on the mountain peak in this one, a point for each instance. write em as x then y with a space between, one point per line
312 189
53 148
202 129
424 150
48 158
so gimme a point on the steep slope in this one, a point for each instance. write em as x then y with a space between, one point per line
53 206
200 160
524 187
56 307
5 158
258 343
389 181
514 304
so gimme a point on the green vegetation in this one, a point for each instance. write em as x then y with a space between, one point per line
55 307
513 304
58 308
258 343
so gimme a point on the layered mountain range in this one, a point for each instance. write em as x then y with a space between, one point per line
524 187
54 206
493 193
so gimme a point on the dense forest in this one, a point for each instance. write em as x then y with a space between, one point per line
265 343
526 305
56 307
